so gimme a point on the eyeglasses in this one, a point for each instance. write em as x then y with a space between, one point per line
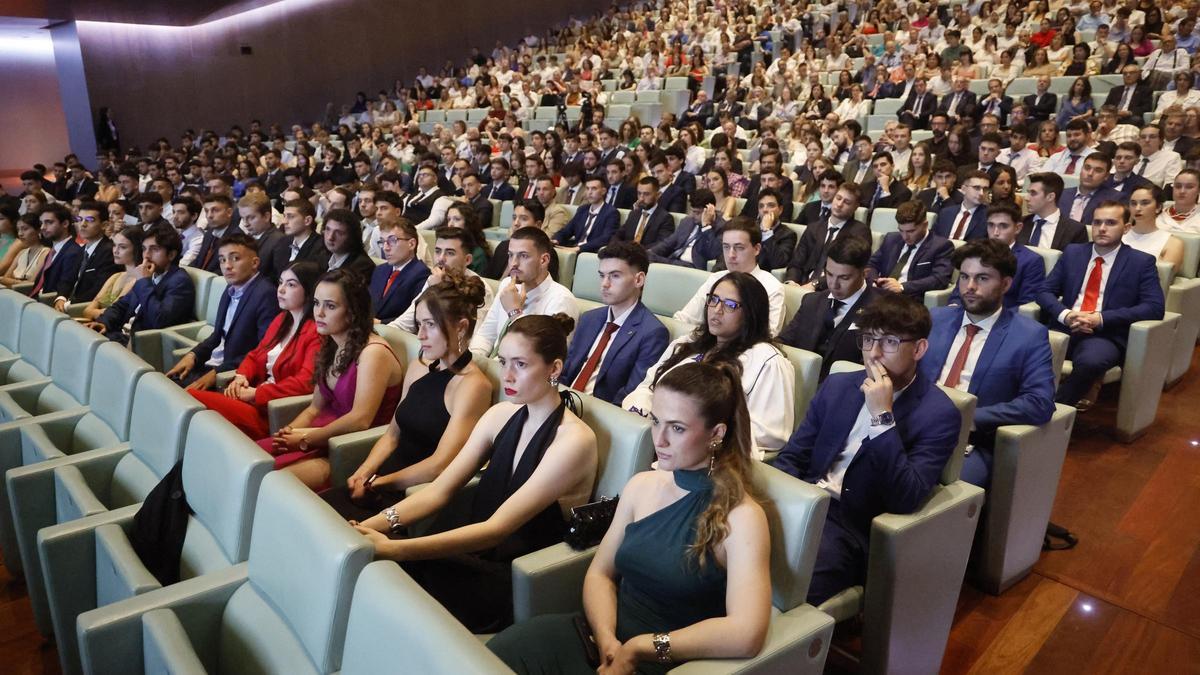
730 305
392 241
889 343
86 219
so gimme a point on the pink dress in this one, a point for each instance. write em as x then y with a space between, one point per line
338 401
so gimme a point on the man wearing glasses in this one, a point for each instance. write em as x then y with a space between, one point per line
95 266
969 220
396 282
876 440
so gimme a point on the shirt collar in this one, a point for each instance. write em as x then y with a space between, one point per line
235 292
58 245
298 243
1109 257
623 317
986 323
849 302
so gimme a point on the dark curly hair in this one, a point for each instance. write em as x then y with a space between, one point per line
357 300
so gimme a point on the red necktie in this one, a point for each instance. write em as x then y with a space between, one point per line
395 273
580 383
959 229
1091 292
41 278
1071 167
960 359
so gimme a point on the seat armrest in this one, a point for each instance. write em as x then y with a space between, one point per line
938 298
110 638
166 647
1031 310
282 411
797 643
120 573
549 581
223 379
844 605
348 451
148 344
1143 373
75 309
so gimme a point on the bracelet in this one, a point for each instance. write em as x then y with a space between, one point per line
662 647
369 483
394 524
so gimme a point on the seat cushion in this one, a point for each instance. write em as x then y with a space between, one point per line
254 639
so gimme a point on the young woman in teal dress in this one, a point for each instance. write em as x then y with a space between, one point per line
683 572
541 463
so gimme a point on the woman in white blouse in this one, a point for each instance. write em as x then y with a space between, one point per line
1183 216
736 327
854 106
29 261
1145 203
1182 95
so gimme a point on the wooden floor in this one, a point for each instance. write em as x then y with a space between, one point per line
1125 600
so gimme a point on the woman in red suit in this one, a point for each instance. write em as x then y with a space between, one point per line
281 365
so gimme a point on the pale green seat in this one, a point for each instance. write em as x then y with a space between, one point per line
669 287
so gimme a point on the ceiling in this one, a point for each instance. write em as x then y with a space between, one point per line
169 13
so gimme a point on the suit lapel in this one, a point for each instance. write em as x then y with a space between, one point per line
624 335
940 341
1118 269
995 340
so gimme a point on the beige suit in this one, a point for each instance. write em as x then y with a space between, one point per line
562 196
557 217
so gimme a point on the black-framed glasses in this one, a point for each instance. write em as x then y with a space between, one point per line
889 343
729 305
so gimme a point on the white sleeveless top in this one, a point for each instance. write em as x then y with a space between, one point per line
1152 243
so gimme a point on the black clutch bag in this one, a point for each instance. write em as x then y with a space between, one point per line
589 522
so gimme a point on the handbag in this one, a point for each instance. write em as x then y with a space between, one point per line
589 522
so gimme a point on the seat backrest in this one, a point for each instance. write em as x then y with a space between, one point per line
669 287
1059 342
796 515
216 288
74 352
304 560
1166 273
1191 256
222 470
404 344
1050 256
36 343
200 280
12 304
115 374
676 329
566 266
966 408
163 412
883 220
792 295
586 285
623 442
808 375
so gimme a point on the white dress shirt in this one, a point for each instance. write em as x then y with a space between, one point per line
1161 168
911 257
1169 98
1048 229
1021 161
1059 161
692 313
846 305
769 381
985 328
861 430
193 237
1189 225
549 298
408 320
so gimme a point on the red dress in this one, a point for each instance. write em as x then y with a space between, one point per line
293 376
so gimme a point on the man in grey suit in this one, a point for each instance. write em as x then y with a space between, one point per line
694 243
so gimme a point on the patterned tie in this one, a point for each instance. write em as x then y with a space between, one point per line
960 359
641 228
1071 166
1078 206
1091 292
585 375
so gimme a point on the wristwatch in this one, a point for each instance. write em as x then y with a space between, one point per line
662 647
883 419
514 313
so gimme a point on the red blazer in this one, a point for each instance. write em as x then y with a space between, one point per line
293 368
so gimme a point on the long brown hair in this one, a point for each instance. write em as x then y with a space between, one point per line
362 323
716 389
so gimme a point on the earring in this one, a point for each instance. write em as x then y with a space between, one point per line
554 382
462 343
712 459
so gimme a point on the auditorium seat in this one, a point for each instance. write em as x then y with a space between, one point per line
11 306
35 346
807 366
70 377
1183 298
162 347
915 568
91 563
566 266
282 611
1191 253
585 284
64 489
551 581
669 287
1026 465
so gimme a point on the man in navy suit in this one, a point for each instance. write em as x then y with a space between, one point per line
1080 203
969 220
991 352
882 190
911 260
647 223
1133 99
218 209
499 189
618 193
593 224
995 103
1046 226
614 345
1123 179
918 107
826 323
396 282
695 242
877 440
164 296
62 265
1004 225
247 307
672 197
942 192
1095 292
96 264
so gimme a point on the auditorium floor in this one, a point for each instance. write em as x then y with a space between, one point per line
1125 600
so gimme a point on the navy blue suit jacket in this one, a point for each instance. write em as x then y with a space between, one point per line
255 311
59 277
705 247
170 302
674 198
502 192
403 291
947 218
1128 185
929 270
1026 285
891 473
1013 377
607 221
632 350
1131 294
1102 195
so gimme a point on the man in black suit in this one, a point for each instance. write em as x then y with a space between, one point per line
303 242
1046 226
770 161
672 197
943 189
824 324
1123 179
808 262
911 260
919 105
618 193
995 103
472 189
699 111
610 148
255 211
95 266
818 210
79 185
959 104
647 224
1043 104
729 108
527 189
218 209
274 182
1133 99
418 205
882 191
343 239
988 150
